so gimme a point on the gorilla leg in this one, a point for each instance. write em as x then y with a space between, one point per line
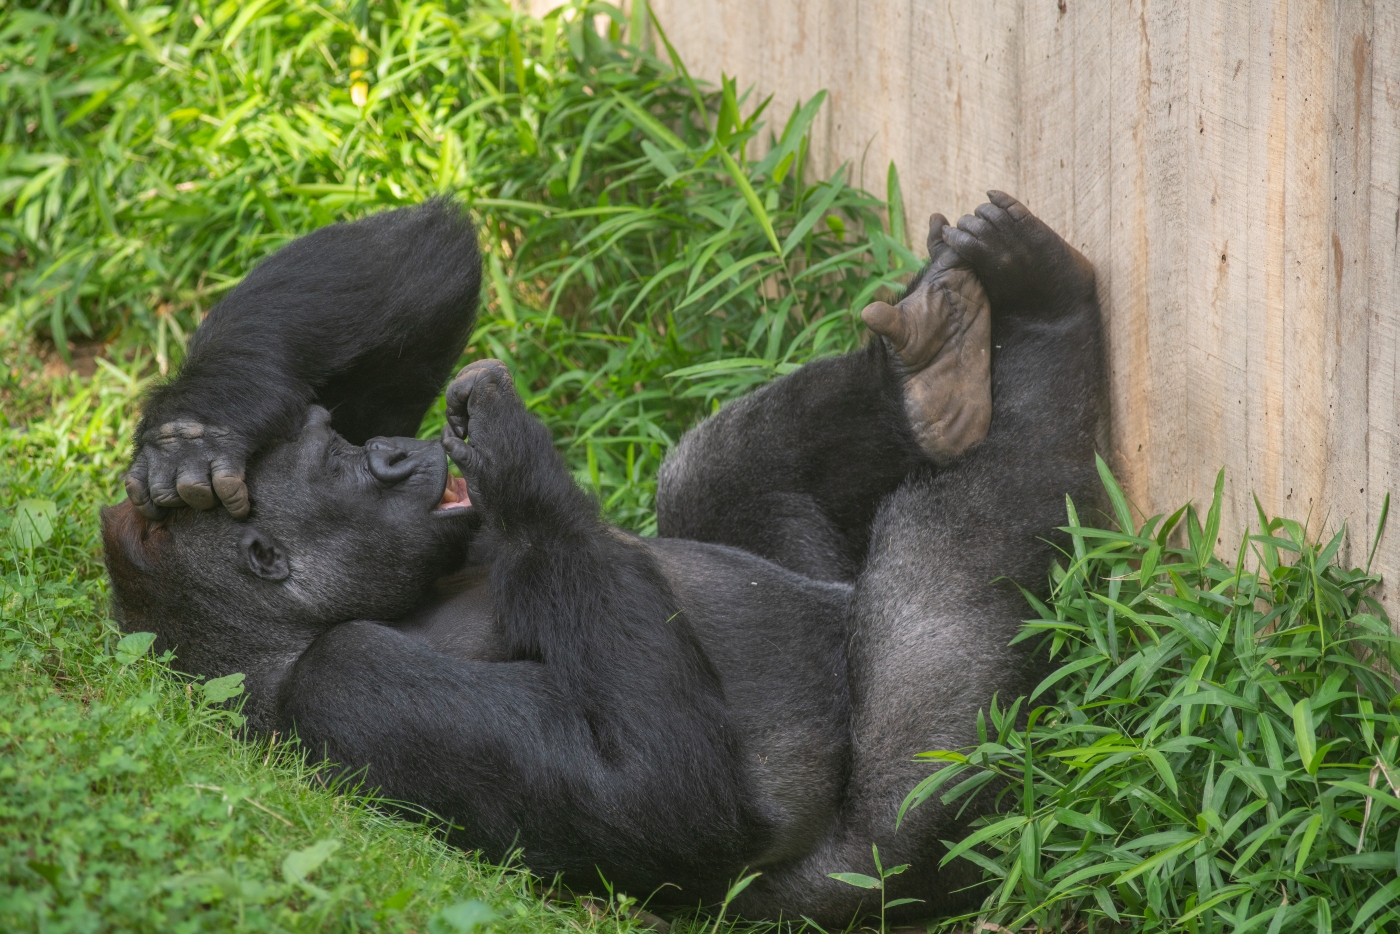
795 471
934 607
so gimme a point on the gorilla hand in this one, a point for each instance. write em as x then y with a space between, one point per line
185 463
506 455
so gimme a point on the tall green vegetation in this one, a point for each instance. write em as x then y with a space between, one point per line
1215 752
653 247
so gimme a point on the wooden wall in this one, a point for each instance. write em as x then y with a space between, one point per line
1231 167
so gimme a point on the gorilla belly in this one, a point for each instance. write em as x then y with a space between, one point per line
778 641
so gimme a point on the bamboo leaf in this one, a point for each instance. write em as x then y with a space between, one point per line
755 206
1305 734
859 880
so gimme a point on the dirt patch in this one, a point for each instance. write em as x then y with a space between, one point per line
82 358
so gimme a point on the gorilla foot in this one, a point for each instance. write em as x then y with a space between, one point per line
941 335
1025 266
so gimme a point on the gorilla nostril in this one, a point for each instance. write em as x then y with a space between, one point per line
391 455
389 461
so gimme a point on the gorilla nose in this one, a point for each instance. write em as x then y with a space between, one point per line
394 460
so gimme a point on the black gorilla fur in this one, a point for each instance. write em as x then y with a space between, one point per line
746 691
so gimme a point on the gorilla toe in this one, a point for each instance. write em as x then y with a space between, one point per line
1024 265
941 335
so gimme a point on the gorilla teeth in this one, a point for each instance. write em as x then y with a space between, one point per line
455 495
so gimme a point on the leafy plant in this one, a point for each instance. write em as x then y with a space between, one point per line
735 889
1219 750
653 248
877 882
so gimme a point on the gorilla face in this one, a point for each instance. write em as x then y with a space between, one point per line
360 529
337 532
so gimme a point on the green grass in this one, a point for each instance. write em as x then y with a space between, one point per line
644 261
1203 761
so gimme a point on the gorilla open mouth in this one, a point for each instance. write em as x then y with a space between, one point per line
454 496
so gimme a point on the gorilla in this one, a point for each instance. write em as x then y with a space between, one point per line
830 592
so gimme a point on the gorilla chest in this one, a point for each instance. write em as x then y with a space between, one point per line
462 621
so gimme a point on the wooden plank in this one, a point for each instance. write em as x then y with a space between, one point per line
1383 286
1346 326
962 111
1306 252
1264 230
1216 319
1047 106
1157 169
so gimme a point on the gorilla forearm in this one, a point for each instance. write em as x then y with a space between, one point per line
390 299
570 591
365 319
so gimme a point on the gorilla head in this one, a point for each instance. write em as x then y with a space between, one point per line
337 532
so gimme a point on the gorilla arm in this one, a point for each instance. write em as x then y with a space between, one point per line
604 743
633 780
365 319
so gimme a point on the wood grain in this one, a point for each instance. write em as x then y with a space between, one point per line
1232 167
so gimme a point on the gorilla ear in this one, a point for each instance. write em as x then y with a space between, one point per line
266 558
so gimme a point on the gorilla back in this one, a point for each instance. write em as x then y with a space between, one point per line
745 692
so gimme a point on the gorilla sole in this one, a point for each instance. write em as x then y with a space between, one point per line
828 595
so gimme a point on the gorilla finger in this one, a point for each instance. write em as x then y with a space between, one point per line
162 487
461 454
192 483
136 491
231 488
233 493
936 223
493 386
457 394
1010 205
